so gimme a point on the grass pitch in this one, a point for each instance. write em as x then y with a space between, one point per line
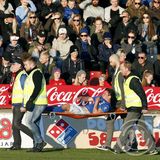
71 154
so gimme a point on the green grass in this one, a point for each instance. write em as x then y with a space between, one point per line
70 154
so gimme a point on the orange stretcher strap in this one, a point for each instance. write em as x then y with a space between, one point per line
80 116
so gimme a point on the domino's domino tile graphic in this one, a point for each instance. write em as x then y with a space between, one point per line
62 132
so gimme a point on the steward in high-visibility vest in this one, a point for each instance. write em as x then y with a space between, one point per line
17 92
17 103
41 99
131 98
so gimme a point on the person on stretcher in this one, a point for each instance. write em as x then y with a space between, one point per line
97 104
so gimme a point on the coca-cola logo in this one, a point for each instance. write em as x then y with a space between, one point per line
153 97
57 96
3 97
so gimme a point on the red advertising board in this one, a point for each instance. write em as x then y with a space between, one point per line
60 94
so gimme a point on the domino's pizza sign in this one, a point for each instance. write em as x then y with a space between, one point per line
62 132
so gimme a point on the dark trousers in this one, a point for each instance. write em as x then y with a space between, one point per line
17 126
131 119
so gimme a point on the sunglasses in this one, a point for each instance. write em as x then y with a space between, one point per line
146 17
32 17
84 35
156 2
137 3
76 20
141 57
132 37
57 18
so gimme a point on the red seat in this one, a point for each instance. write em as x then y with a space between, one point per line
95 74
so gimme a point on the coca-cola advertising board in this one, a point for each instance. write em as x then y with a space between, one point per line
58 95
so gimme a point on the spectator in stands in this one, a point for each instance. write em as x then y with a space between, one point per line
75 25
62 5
147 32
97 31
122 55
112 14
157 70
154 11
72 65
17 103
87 51
70 10
52 25
136 10
132 46
141 64
97 104
1 46
55 78
46 65
80 79
14 48
91 9
46 10
5 8
8 27
124 26
147 79
22 11
61 46
39 45
5 73
106 49
31 28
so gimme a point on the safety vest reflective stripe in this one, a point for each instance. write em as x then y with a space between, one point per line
29 87
17 92
117 88
131 98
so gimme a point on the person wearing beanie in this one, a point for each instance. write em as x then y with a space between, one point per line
87 51
106 49
56 77
72 65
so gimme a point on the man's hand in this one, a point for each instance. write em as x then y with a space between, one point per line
144 111
22 109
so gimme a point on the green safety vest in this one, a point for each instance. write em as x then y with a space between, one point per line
17 92
29 87
131 98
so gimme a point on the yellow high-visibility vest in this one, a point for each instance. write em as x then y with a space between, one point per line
131 98
29 87
17 92
117 87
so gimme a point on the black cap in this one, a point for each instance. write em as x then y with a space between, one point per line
42 33
17 60
7 56
9 15
73 48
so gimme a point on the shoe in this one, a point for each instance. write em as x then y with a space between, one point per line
116 151
103 148
34 149
153 152
14 148
41 145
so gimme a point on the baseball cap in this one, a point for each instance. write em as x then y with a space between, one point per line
62 31
42 33
17 60
73 48
10 15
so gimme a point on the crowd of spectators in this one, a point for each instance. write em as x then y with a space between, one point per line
71 38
